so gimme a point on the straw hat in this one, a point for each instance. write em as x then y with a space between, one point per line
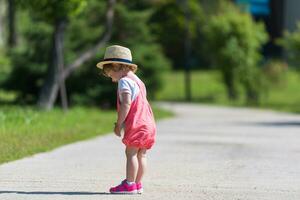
116 54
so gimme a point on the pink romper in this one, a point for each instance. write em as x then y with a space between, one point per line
140 128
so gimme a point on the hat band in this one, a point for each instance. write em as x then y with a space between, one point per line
118 60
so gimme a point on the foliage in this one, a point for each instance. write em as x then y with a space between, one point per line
291 43
86 86
5 65
53 10
29 62
275 72
84 29
234 40
168 23
147 54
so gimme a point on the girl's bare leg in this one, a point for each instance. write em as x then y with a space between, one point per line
142 164
131 164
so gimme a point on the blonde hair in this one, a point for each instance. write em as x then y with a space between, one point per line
117 67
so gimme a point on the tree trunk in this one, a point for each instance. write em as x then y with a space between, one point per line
60 63
187 51
50 88
2 15
94 50
49 91
11 23
229 81
252 94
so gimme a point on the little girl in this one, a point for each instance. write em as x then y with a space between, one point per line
134 116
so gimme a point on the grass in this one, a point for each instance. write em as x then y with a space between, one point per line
25 131
6 97
207 87
285 97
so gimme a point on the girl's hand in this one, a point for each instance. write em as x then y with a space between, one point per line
117 130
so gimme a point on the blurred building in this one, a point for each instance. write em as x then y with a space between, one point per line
278 15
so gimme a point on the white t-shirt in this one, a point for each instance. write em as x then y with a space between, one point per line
127 85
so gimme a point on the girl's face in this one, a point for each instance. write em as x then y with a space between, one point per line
114 75
115 71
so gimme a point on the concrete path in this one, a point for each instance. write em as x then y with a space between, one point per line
204 153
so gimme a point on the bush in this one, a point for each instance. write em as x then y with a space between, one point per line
234 40
273 75
5 65
29 63
275 72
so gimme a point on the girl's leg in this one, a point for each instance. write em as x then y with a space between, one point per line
132 163
142 161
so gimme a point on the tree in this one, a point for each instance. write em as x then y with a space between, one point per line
234 40
168 23
147 53
84 38
2 24
57 13
11 15
90 89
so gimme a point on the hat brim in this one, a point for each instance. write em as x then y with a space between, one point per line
100 64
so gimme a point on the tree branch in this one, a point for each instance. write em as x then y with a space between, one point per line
93 51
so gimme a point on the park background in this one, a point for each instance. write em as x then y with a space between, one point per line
235 53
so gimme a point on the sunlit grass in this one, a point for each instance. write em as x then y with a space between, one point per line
207 87
7 96
25 131
285 97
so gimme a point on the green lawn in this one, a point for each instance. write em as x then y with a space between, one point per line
207 87
25 131
285 97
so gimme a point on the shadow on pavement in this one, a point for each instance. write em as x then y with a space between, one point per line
53 193
280 123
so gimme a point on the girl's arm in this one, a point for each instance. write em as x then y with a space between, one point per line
124 109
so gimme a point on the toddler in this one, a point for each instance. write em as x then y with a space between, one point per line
134 116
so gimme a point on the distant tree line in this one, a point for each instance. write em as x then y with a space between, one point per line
48 48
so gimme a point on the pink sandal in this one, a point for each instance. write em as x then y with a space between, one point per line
124 188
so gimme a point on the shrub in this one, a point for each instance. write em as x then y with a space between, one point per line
29 63
275 72
234 40
5 65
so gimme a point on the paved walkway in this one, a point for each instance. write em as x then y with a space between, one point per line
204 153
